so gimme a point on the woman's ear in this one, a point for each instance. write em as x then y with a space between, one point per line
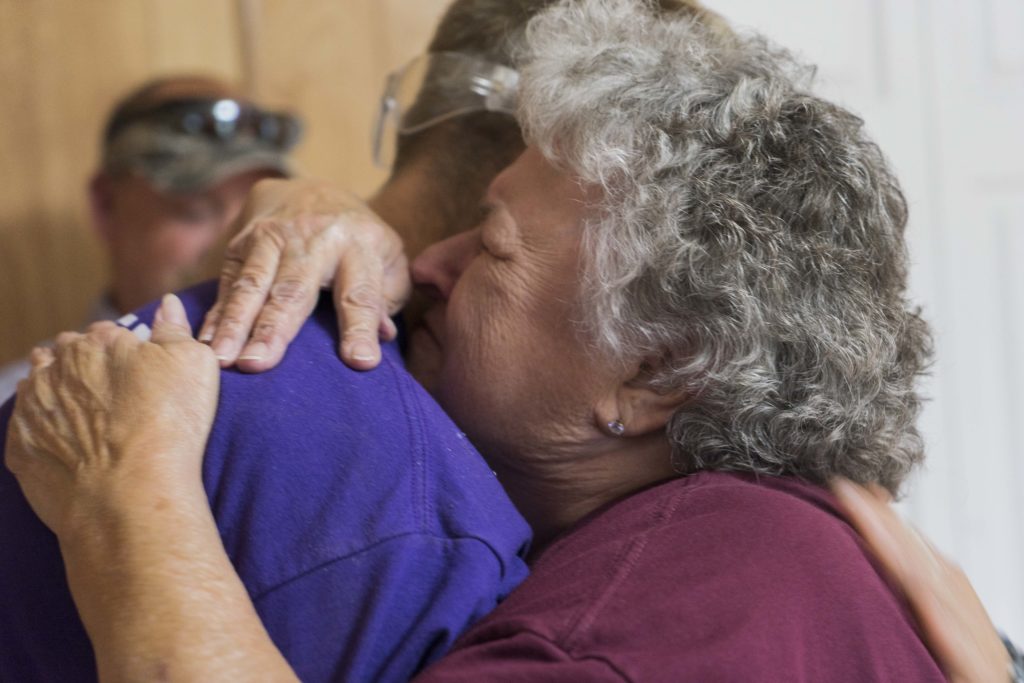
635 407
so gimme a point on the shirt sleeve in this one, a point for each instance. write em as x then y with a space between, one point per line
384 613
518 656
10 375
1016 660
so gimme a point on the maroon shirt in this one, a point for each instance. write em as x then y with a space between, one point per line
711 577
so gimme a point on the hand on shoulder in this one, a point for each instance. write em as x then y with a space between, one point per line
106 418
954 623
295 237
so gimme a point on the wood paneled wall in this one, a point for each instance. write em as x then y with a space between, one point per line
63 62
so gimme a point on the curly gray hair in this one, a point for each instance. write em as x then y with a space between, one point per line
749 246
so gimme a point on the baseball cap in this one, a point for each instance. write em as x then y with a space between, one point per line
190 144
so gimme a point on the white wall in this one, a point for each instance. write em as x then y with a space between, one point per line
940 84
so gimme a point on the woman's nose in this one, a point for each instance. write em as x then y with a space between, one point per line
436 270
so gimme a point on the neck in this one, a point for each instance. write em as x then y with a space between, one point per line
553 494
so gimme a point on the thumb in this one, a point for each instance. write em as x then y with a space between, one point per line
170 324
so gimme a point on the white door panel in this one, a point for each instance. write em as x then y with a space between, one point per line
940 85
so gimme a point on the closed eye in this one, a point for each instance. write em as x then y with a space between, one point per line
487 228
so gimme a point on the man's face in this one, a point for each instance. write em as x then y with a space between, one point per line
161 242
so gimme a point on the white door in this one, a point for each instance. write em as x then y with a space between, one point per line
940 84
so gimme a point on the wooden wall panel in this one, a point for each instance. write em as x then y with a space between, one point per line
195 35
63 62
329 61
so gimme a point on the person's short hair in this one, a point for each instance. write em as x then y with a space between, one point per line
467 151
749 248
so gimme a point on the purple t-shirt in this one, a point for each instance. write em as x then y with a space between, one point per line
711 577
367 530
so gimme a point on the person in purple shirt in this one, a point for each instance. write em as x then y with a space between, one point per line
367 531
654 292
349 503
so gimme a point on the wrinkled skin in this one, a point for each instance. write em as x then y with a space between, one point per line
506 303
103 414
296 237
954 622
106 441
107 420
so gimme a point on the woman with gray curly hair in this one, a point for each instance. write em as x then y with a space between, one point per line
748 244
683 313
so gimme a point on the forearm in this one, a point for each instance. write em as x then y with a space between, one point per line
159 598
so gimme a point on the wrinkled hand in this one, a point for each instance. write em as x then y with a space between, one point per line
298 236
953 621
105 417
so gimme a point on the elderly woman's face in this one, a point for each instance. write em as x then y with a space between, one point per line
499 349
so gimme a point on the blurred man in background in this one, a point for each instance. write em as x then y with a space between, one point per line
179 155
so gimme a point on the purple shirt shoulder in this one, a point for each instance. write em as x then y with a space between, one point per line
367 530
711 577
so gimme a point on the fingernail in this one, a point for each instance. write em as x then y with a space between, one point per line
254 351
206 337
362 351
159 315
219 351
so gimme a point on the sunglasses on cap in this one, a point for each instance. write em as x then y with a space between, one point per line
437 87
220 119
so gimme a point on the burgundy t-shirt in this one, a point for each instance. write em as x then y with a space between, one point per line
711 577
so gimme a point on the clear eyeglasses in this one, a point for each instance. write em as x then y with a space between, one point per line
436 87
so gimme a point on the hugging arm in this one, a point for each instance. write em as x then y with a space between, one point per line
106 441
953 621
